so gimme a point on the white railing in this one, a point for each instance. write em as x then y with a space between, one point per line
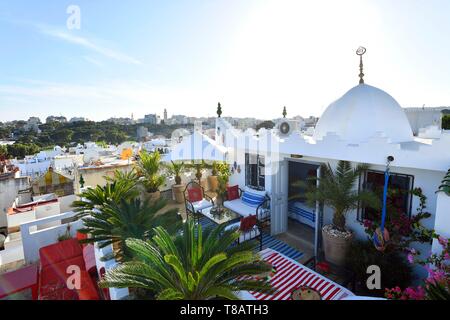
33 239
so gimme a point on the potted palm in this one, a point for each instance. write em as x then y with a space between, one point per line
199 168
222 179
175 169
148 168
335 189
213 179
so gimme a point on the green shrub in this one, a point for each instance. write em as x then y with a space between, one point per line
395 270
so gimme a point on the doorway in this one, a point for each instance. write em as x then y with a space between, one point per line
302 218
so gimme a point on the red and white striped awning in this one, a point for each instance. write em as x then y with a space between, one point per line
291 275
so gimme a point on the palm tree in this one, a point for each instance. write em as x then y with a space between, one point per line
193 265
148 167
175 169
336 190
121 186
118 221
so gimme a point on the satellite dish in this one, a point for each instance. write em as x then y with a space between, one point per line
90 155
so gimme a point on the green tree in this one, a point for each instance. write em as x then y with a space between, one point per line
3 151
446 122
20 150
336 190
265 124
193 265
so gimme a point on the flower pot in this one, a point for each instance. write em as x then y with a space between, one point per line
336 244
213 183
151 196
177 192
204 184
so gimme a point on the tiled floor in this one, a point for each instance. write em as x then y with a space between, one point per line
300 237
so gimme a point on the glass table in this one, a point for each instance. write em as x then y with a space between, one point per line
220 215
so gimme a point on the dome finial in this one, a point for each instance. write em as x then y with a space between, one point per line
284 112
360 52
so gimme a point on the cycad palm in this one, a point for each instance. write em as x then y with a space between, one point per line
194 265
121 187
116 222
148 168
336 190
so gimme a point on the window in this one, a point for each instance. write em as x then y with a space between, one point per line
399 195
254 171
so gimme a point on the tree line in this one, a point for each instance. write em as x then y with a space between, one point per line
70 134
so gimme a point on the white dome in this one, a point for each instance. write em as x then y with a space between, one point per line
362 113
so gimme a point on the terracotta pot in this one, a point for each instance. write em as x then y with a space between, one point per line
204 184
335 245
151 196
213 183
177 191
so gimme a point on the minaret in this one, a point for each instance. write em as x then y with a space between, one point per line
165 115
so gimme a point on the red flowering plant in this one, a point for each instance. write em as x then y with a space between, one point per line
402 229
437 285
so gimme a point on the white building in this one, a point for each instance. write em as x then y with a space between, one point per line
365 125
77 119
424 117
152 119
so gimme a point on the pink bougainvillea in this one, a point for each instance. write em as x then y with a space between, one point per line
438 268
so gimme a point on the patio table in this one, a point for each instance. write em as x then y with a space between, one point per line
291 275
227 216
19 280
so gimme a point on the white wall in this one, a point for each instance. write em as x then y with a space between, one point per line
32 241
65 203
48 210
442 221
34 168
8 193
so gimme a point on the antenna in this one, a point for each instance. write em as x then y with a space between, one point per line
360 52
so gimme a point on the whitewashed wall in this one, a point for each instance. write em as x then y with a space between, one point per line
442 221
32 241
8 193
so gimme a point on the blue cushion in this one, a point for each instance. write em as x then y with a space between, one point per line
252 199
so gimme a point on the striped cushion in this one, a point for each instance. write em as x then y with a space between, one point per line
296 210
252 199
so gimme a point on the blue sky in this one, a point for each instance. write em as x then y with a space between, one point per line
254 56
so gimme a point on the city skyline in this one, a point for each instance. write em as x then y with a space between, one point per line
252 56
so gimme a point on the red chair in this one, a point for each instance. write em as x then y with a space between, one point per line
248 228
195 199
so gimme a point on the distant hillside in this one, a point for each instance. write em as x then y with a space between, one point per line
66 134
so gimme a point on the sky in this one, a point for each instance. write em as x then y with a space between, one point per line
254 56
